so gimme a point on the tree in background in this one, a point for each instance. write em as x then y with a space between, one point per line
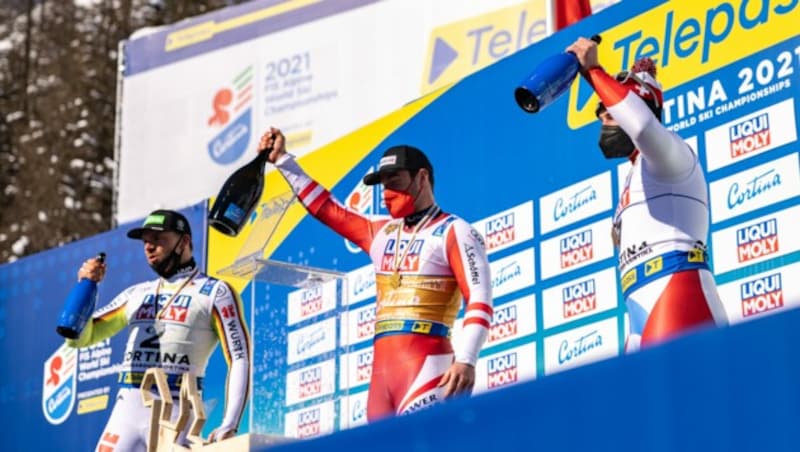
58 74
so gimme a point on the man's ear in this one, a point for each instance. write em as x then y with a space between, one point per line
185 242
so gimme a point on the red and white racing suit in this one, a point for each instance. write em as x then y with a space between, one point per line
445 261
174 324
662 223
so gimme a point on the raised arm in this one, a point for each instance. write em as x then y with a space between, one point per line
664 152
316 199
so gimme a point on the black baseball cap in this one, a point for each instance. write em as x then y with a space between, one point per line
162 220
403 157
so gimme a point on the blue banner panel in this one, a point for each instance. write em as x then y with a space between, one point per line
53 397
728 389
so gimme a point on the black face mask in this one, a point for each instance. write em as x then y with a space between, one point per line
615 143
171 265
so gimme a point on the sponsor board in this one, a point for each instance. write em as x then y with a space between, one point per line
579 298
355 368
312 340
353 410
310 382
58 384
576 249
310 422
580 346
358 325
751 135
755 188
510 321
507 228
575 202
360 285
756 240
505 368
512 273
721 33
761 294
307 303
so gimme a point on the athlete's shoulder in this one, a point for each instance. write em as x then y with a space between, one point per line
214 288
444 222
461 228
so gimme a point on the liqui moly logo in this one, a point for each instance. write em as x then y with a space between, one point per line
569 350
311 301
759 185
499 231
364 366
565 206
576 248
410 255
310 382
176 311
308 423
502 370
579 298
365 323
757 240
749 135
761 295
504 323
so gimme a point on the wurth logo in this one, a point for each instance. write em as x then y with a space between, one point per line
228 312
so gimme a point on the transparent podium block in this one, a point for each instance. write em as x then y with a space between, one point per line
306 364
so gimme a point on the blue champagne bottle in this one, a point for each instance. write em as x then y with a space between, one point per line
78 307
548 81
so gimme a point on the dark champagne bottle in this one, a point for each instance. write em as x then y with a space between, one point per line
79 306
238 197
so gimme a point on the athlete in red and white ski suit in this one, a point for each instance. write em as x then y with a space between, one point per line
425 261
661 222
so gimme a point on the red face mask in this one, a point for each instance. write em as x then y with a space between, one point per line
399 202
